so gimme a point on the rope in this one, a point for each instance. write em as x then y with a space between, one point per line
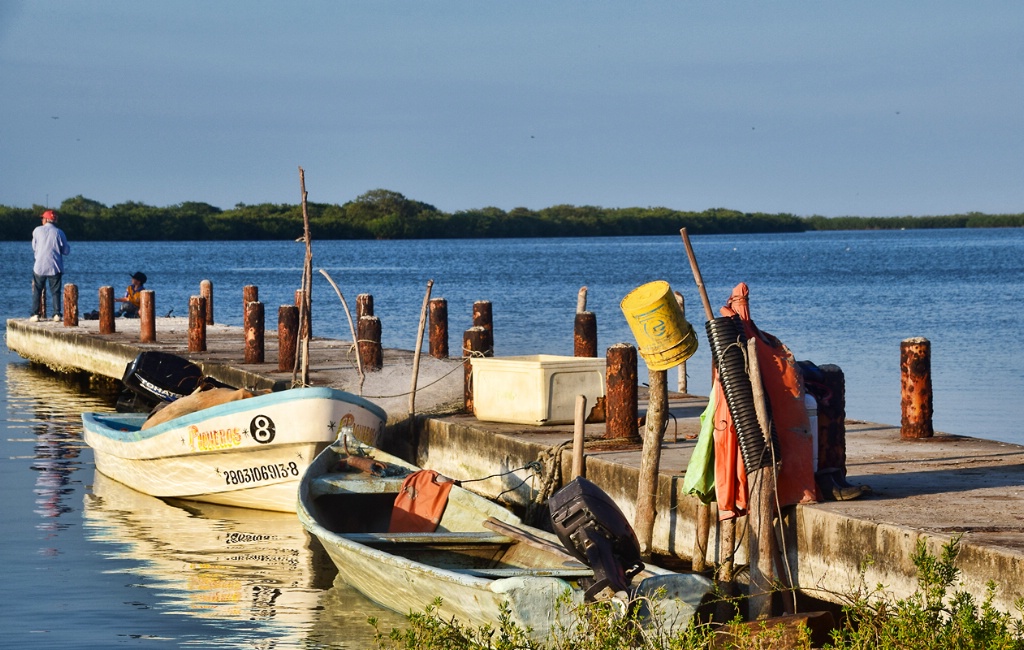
551 458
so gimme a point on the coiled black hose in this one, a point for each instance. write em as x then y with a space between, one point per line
728 344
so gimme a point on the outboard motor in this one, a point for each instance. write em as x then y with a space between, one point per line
594 530
153 377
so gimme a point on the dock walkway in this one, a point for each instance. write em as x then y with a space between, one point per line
933 489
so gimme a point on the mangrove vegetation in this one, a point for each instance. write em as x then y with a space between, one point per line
385 214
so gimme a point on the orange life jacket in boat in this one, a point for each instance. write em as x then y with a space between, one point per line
421 502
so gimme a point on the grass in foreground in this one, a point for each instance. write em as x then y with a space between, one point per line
935 617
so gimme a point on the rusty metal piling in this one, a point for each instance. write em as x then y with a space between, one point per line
287 337
70 305
106 298
916 394
197 324
206 291
147 316
438 328
621 408
371 353
254 349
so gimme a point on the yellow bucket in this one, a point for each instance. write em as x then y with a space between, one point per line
665 338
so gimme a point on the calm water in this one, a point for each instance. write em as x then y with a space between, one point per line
92 564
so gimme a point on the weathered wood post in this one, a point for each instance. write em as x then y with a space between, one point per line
474 344
197 324
584 328
579 431
482 317
107 310
702 517
254 323
287 337
832 420
70 305
621 408
206 291
147 316
371 354
364 305
438 328
305 320
650 459
761 486
916 395
681 368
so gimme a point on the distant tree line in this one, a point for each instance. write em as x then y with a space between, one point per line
384 214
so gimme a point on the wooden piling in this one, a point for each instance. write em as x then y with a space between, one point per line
364 305
438 328
107 310
197 324
287 337
621 408
474 344
70 305
585 334
371 354
254 323
916 394
699 558
650 460
482 317
206 291
147 316
578 437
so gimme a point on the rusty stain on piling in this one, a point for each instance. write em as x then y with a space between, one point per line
147 316
206 291
107 310
621 408
585 334
916 382
371 354
439 328
254 349
287 337
70 305
197 324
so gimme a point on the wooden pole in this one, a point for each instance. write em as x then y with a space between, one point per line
439 328
206 291
416 357
761 485
474 342
371 354
702 532
197 324
650 460
482 317
916 394
621 410
287 336
578 437
351 326
70 305
147 316
305 309
107 310
254 332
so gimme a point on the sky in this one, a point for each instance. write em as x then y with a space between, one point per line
862 108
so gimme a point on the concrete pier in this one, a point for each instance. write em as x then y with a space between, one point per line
930 489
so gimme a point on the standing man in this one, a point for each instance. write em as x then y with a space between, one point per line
50 246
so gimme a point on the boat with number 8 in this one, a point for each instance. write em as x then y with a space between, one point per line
228 446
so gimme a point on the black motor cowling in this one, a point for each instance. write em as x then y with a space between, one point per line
594 530
153 377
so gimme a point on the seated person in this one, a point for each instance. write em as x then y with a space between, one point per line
132 296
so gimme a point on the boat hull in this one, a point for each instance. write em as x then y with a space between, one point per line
471 568
249 453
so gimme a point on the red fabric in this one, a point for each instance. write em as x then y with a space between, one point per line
420 503
784 388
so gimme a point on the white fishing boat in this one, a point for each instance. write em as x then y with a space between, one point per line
249 451
475 554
